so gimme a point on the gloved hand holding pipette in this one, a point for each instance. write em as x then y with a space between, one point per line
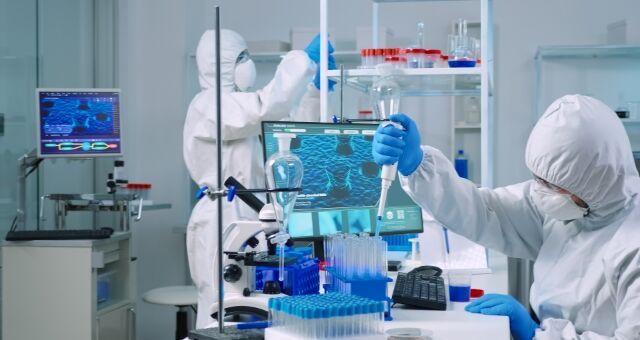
392 145
395 145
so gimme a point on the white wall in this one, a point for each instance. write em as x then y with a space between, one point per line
156 38
152 78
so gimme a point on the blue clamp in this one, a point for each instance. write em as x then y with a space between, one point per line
231 193
334 119
202 192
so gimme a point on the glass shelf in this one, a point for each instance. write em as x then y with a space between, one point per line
467 126
588 51
419 82
341 56
630 121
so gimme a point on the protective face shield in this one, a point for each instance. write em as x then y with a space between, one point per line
556 205
245 72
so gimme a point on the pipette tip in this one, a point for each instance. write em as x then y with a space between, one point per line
378 225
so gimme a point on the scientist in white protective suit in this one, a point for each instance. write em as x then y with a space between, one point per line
290 95
578 219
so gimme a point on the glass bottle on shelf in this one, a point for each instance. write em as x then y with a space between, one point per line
472 110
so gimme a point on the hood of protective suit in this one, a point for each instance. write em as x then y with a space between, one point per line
231 45
580 145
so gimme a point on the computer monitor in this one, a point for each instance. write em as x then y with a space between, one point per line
78 122
341 182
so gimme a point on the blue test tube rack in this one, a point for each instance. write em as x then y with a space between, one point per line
374 288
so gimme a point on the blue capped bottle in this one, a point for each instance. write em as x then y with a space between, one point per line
462 164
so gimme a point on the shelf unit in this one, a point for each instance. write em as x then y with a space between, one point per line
448 82
583 53
587 51
418 82
275 57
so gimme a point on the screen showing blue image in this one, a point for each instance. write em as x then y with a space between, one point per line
341 182
78 123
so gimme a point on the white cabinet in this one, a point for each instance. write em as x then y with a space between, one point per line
116 324
71 289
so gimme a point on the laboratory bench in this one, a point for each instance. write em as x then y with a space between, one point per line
455 323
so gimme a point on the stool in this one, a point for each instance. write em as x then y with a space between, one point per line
179 296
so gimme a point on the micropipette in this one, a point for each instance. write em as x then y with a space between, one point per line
385 95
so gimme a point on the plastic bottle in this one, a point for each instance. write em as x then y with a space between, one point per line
462 165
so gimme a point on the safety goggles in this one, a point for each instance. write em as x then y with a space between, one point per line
549 185
243 57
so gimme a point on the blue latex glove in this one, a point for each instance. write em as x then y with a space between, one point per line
313 49
332 66
521 324
391 144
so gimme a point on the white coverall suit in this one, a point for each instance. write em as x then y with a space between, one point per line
587 271
242 158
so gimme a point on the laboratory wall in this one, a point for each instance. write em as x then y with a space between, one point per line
152 76
157 76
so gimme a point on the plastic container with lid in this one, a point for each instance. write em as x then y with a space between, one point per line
444 61
415 57
364 58
431 58
397 62
140 189
378 56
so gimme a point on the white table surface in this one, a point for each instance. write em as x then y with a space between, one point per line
455 323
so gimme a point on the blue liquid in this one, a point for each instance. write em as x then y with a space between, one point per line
462 167
459 294
378 225
462 63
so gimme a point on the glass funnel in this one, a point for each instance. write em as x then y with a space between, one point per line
283 170
385 94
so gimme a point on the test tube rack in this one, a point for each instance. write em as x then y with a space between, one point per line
300 278
326 316
374 288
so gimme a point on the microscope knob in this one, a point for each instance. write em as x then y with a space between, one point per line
232 273
253 242
271 288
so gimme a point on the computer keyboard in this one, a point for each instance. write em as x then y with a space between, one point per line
427 292
65 234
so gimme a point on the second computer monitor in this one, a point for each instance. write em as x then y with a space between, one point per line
341 182
78 122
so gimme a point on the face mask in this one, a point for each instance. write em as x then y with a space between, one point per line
245 75
555 205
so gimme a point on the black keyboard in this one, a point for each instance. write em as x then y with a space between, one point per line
421 291
65 234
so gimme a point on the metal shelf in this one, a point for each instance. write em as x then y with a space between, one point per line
419 82
341 56
588 51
